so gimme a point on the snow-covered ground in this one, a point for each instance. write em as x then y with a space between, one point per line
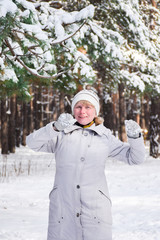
135 193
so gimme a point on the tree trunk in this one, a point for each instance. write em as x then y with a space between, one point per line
39 108
154 127
51 104
100 94
152 12
11 130
145 117
122 112
25 125
61 103
115 112
18 122
154 4
56 105
4 127
35 107
67 104
143 122
30 115
108 114
0 126
132 108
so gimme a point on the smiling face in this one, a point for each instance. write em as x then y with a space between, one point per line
84 112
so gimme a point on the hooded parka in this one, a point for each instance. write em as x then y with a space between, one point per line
80 205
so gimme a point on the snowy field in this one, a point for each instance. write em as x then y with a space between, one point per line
135 193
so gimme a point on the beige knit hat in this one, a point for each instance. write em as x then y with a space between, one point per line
87 95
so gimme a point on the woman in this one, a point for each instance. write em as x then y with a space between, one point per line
80 206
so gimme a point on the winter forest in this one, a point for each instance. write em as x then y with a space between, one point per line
49 50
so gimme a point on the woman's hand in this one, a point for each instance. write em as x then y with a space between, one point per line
65 120
133 130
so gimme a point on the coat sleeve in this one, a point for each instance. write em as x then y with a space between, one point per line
132 152
44 139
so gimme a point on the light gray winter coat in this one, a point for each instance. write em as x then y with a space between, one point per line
80 206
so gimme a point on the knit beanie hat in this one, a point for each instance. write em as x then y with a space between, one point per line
87 95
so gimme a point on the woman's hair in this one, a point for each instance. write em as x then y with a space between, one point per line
98 120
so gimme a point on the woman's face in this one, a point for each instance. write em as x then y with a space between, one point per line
84 112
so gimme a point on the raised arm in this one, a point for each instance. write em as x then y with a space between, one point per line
132 152
44 139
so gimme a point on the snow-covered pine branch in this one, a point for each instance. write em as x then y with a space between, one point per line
110 47
30 42
124 30
65 38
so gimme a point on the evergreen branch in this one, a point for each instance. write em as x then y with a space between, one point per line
33 71
10 47
30 49
25 33
35 54
68 36
14 33
67 49
97 33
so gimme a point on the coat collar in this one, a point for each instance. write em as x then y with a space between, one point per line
99 129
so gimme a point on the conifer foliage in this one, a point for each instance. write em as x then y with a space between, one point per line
32 37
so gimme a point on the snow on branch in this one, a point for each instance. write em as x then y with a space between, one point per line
34 71
7 6
64 18
62 39
111 47
109 32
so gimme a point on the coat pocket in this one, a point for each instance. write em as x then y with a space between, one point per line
55 208
103 208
